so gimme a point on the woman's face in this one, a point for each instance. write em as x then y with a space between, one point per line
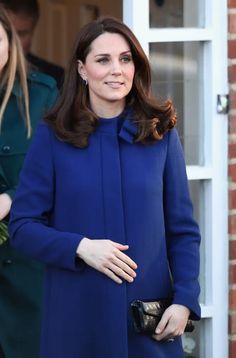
109 70
4 48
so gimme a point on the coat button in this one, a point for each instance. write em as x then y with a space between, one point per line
7 262
6 149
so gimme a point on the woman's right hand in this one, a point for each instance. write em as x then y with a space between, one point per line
5 205
107 257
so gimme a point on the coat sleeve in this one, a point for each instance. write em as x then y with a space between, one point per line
10 192
29 219
51 94
182 232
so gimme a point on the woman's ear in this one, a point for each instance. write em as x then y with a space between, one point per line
81 70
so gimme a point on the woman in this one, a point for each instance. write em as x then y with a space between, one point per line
103 201
24 98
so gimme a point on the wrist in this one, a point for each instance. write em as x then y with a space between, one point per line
5 205
7 199
183 308
82 247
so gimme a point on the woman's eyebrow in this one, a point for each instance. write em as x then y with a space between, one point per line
102 54
108 54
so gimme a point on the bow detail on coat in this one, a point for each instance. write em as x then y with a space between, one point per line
128 130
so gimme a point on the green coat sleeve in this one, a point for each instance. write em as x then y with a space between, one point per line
14 143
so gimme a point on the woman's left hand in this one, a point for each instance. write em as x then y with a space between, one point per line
172 323
5 205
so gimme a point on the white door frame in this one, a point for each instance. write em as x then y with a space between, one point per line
214 332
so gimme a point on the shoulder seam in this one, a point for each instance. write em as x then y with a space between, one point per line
42 78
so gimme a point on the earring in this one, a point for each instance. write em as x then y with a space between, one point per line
85 81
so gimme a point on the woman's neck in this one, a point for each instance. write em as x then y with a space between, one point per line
109 110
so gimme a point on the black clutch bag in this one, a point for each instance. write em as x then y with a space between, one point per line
147 315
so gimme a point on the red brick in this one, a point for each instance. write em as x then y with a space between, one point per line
232 124
232 23
232 48
232 249
232 150
232 199
232 99
232 299
232 274
232 323
232 74
232 172
231 4
232 348
232 226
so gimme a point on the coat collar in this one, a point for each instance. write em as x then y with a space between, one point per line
122 125
16 90
128 130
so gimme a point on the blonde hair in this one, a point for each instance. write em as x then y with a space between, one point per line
15 67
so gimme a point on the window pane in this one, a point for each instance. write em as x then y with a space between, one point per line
177 70
197 192
177 13
193 342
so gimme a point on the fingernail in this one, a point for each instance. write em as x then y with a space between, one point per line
158 331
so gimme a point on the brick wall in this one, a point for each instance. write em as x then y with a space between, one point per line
232 175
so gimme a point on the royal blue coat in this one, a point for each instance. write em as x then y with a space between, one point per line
113 189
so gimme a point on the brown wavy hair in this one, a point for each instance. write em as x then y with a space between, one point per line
72 118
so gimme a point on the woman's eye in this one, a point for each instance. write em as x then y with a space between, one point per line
103 60
126 59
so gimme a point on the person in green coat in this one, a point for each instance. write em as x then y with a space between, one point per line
24 98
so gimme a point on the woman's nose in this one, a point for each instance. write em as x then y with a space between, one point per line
116 68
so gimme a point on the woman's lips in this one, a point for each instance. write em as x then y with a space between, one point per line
113 84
